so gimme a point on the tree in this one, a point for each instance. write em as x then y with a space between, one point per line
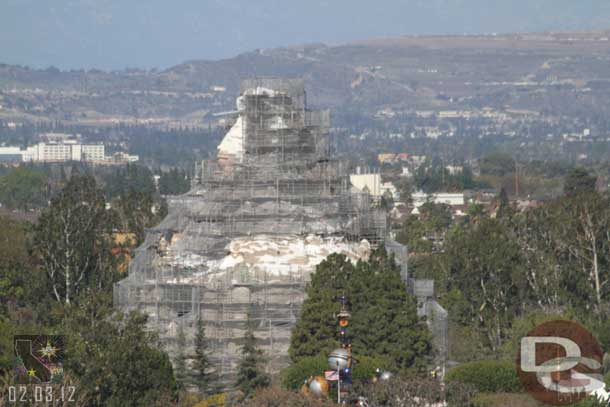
135 211
485 271
497 164
204 375
315 331
131 177
405 186
414 235
71 240
23 188
275 397
15 264
421 232
436 216
180 370
384 317
408 392
581 234
505 211
578 181
387 201
115 357
250 375
174 182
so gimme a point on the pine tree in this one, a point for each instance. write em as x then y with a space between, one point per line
180 361
204 376
384 317
250 375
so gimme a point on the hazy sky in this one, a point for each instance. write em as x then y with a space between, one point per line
114 34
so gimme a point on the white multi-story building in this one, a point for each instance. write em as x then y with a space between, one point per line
11 154
55 152
92 152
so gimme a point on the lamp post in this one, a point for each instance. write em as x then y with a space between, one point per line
341 358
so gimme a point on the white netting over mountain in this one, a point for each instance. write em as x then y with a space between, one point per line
247 236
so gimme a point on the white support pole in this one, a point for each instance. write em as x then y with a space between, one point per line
338 384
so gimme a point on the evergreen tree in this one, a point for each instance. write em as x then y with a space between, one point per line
174 182
250 375
204 376
505 211
180 361
316 329
115 357
384 317
579 180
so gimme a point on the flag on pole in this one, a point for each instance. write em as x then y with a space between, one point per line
331 375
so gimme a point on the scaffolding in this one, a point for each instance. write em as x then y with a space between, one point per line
285 189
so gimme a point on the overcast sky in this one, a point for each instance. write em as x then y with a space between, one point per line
115 34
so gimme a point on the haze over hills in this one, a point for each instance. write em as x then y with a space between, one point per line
114 34
555 74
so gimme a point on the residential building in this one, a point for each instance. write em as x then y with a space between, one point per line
452 199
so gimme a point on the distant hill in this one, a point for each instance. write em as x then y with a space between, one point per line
113 34
518 71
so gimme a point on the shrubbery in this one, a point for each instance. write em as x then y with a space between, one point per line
489 376
294 376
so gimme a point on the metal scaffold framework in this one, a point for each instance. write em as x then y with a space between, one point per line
243 242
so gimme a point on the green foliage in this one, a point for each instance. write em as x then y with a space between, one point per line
414 392
316 329
180 370
522 325
174 182
250 375
24 188
71 240
413 233
132 177
435 177
135 211
275 397
204 370
498 164
591 402
384 319
484 267
18 280
420 232
504 400
115 357
436 217
578 181
296 374
489 376
567 251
